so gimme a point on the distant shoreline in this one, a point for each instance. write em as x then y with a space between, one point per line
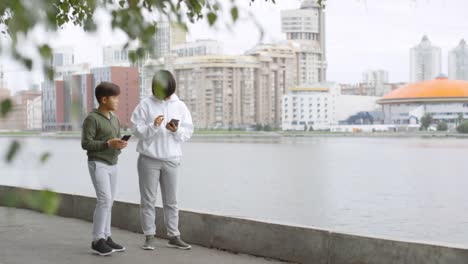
219 135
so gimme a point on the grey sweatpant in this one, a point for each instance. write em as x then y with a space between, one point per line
104 179
151 173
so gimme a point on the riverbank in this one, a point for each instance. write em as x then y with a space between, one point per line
220 134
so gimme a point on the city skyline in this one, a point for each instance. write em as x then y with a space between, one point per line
346 55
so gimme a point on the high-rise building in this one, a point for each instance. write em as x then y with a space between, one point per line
118 56
375 77
305 30
276 74
67 101
53 106
60 101
167 36
458 62
199 47
34 113
24 114
376 82
115 56
63 56
218 90
425 62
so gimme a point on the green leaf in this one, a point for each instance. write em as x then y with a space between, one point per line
122 3
49 72
234 14
28 63
212 18
5 107
45 157
12 151
132 56
11 199
46 201
140 52
89 25
45 51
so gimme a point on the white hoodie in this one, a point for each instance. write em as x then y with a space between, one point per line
159 142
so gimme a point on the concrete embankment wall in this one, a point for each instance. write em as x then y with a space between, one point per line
282 242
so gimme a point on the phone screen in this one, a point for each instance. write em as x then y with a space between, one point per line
174 121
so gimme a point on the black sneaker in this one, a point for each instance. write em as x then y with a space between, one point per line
176 242
101 248
116 247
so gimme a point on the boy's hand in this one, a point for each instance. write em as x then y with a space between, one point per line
172 127
158 120
117 143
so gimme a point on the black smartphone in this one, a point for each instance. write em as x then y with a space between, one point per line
175 122
126 137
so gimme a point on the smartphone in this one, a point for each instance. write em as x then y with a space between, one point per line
175 122
126 137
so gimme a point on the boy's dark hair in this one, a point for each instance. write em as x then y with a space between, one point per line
165 80
106 89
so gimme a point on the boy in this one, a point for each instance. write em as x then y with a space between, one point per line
101 139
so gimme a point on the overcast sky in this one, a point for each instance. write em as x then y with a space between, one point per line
360 35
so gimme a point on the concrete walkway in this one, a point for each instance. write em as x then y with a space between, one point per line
30 237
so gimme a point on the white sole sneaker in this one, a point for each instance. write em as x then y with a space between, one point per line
178 247
147 247
120 250
103 254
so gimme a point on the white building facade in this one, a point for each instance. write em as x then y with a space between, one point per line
458 62
305 30
200 47
34 113
375 77
115 56
167 36
425 61
321 106
313 106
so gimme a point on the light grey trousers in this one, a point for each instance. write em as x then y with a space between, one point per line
104 179
151 173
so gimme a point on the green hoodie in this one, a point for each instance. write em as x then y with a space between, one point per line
97 130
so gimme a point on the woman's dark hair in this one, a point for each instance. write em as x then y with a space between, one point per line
106 89
165 82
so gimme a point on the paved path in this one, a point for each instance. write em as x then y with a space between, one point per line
28 237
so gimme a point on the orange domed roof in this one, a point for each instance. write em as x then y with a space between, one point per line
440 88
